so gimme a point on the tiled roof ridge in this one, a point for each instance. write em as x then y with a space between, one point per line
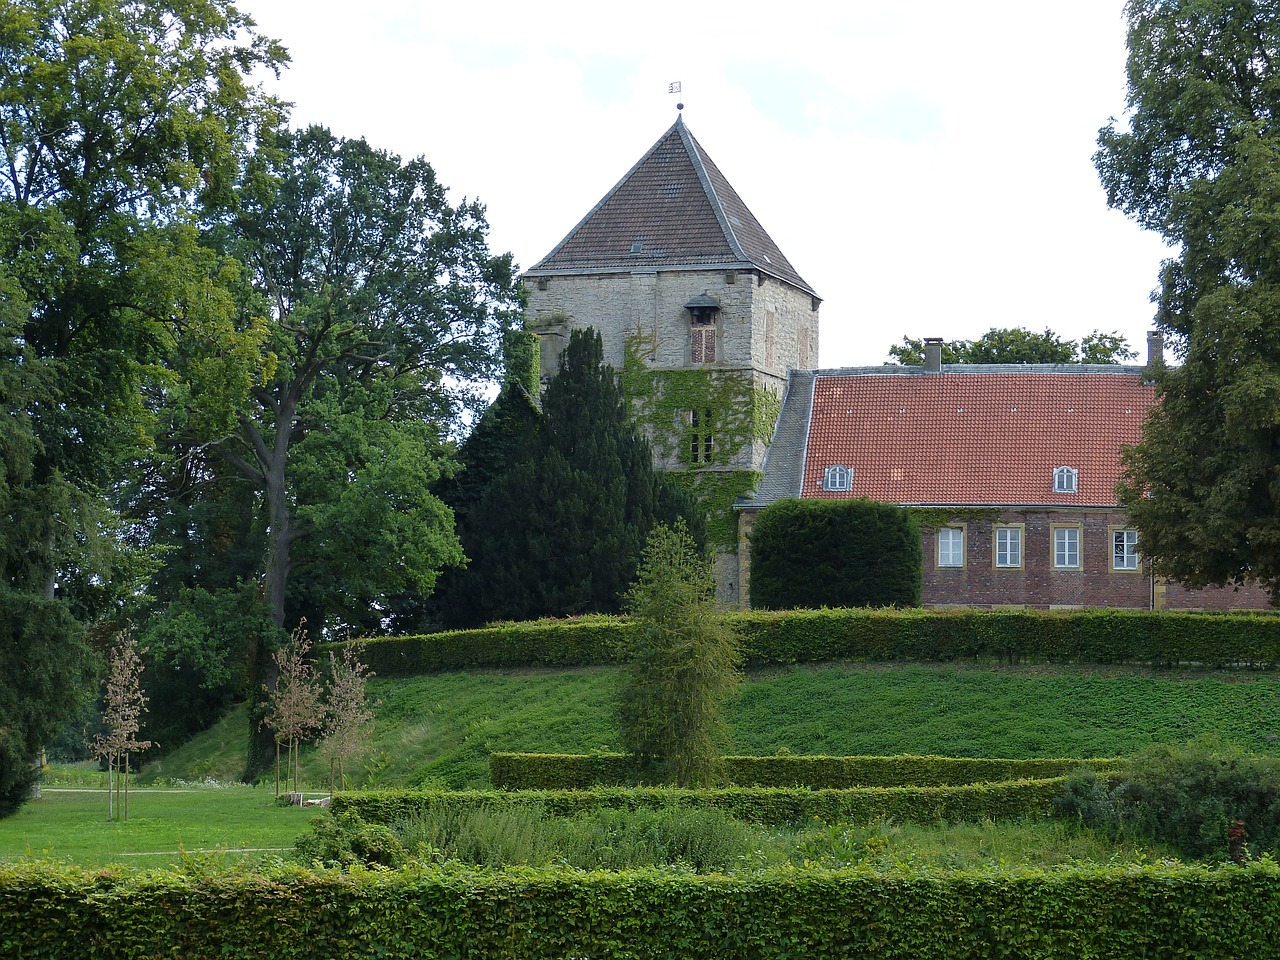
694 150
987 369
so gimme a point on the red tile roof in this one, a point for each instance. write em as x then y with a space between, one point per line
975 438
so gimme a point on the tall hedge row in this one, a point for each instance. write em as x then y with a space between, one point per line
51 913
800 636
547 771
1008 800
835 553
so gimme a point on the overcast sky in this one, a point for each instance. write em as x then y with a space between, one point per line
926 166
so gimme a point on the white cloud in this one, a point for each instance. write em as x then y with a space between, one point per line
925 167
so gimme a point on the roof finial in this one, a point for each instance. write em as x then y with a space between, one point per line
674 87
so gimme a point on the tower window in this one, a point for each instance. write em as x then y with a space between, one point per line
700 436
702 340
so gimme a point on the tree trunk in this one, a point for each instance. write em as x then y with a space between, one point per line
280 533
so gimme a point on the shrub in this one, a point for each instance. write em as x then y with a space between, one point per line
546 771
346 839
835 553
1189 797
683 665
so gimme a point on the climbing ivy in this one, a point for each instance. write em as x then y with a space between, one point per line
728 407
717 492
932 518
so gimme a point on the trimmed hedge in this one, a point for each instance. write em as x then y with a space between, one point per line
1009 800
806 636
552 771
55 913
835 553
578 642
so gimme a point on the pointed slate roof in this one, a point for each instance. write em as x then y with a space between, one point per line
673 209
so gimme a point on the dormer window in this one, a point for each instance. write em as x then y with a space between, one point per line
1064 480
837 477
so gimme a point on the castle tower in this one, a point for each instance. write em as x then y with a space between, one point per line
698 309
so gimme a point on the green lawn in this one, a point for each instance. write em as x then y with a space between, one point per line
438 730
221 825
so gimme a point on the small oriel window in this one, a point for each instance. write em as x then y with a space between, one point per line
1064 480
837 477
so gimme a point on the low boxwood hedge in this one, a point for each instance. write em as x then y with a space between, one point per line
802 636
1160 911
1009 800
551 771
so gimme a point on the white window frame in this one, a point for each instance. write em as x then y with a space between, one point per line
1125 559
838 478
1007 546
951 547
1065 480
1068 546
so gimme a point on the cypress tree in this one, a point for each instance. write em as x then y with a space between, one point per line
560 529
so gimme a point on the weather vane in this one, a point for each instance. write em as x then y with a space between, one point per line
675 88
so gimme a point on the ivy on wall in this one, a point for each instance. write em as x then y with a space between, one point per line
728 407
933 518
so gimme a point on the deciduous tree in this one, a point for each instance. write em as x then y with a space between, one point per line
293 703
117 123
1197 159
385 311
1018 345
123 705
348 713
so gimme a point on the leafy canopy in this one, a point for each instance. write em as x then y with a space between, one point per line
1018 345
1197 159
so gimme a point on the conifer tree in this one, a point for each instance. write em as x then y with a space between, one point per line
560 529
683 665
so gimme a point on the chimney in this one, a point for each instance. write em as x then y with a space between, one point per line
1155 349
932 354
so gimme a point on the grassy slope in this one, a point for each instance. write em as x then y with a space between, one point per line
439 729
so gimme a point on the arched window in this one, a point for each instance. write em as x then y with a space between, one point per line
837 477
1064 480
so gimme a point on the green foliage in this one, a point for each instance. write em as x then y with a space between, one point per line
385 313
540 771
1019 345
1188 797
559 530
682 667
198 651
661 402
45 669
292 913
345 839
690 839
1006 800
1197 159
875 635
835 553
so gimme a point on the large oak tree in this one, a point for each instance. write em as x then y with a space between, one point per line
117 123
384 314
1197 159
